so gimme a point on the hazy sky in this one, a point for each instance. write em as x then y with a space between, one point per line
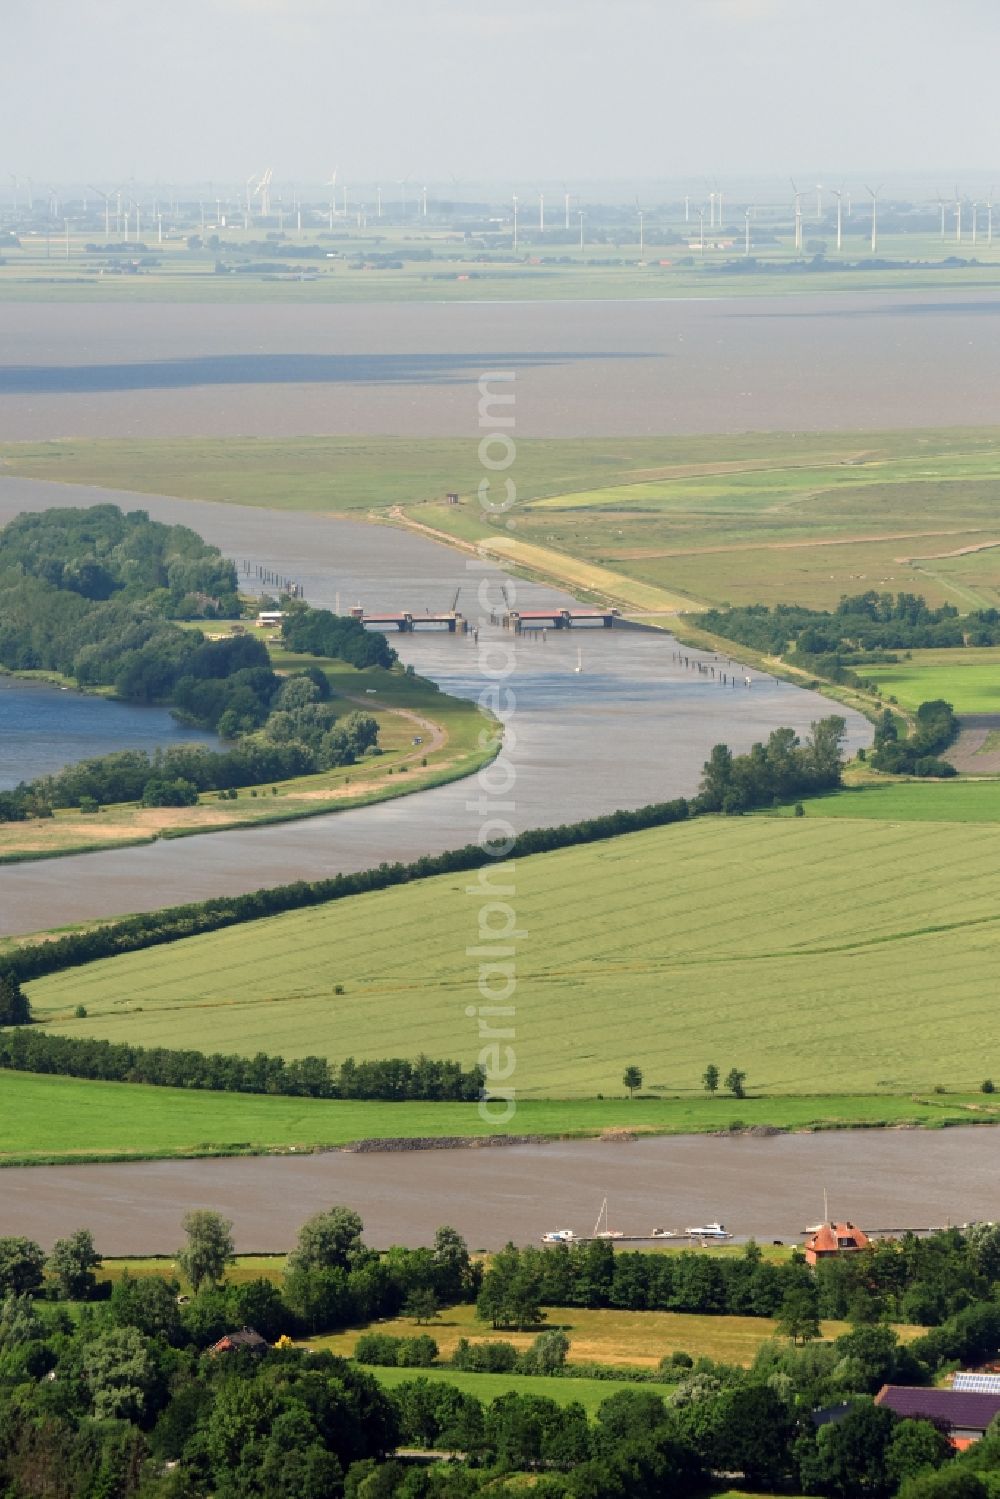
192 90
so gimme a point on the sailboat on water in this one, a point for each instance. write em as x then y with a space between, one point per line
579 659
601 1229
814 1228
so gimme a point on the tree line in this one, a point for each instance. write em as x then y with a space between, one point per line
110 1391
27 1049
929 1280
860 625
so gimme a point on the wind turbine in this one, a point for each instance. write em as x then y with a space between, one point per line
107 209
819 202
838 193
943 207
748 216
989 217
331 183
975 217
515 225
874 192
566 203
541 212
423 200
798 214
263 191
958 216
642 233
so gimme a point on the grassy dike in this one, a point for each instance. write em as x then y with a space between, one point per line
61 1120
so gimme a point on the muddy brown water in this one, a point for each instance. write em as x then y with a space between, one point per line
769 1188
819 362
634 726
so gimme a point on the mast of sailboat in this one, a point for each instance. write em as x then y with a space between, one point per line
602 1214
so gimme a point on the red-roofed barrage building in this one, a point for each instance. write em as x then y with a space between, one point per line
833 1239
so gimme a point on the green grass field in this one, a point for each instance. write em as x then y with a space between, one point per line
969 679
590 1393
757 941
47 1119
970 801
756 518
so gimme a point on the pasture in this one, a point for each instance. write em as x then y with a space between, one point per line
590 1393
604 1336
652 523
968 801
758 942
67 1119
968 679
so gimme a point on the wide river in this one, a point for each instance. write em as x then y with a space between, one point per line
768 1188
633 726
594 369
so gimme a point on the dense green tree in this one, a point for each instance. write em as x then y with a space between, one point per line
22 1263
209 1248
72 1264
632 1079
710 1078
329 1241
14 1006
119 1372
736 1082
798 1317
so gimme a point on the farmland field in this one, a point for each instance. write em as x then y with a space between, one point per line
968 679
743 519
606 1336
909 801
757 940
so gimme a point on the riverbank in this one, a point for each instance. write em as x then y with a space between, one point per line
40 1116
427 738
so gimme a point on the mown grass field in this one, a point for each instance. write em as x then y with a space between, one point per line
757 941
971 801
755 518
590 1393
968 679
605 1336
64 1119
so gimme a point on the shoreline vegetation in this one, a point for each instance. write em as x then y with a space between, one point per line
317 717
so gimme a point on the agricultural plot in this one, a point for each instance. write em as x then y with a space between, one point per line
968 679
759 942
601 1336
909 801
590 1393
758 518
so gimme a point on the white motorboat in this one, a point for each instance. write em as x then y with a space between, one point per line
559 1236
717 1231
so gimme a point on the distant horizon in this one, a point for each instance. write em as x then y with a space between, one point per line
524 91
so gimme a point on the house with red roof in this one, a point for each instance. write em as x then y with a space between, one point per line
833 1239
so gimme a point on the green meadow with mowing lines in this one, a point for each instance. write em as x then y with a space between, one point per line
757 942
67 1120
968 801
968 679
